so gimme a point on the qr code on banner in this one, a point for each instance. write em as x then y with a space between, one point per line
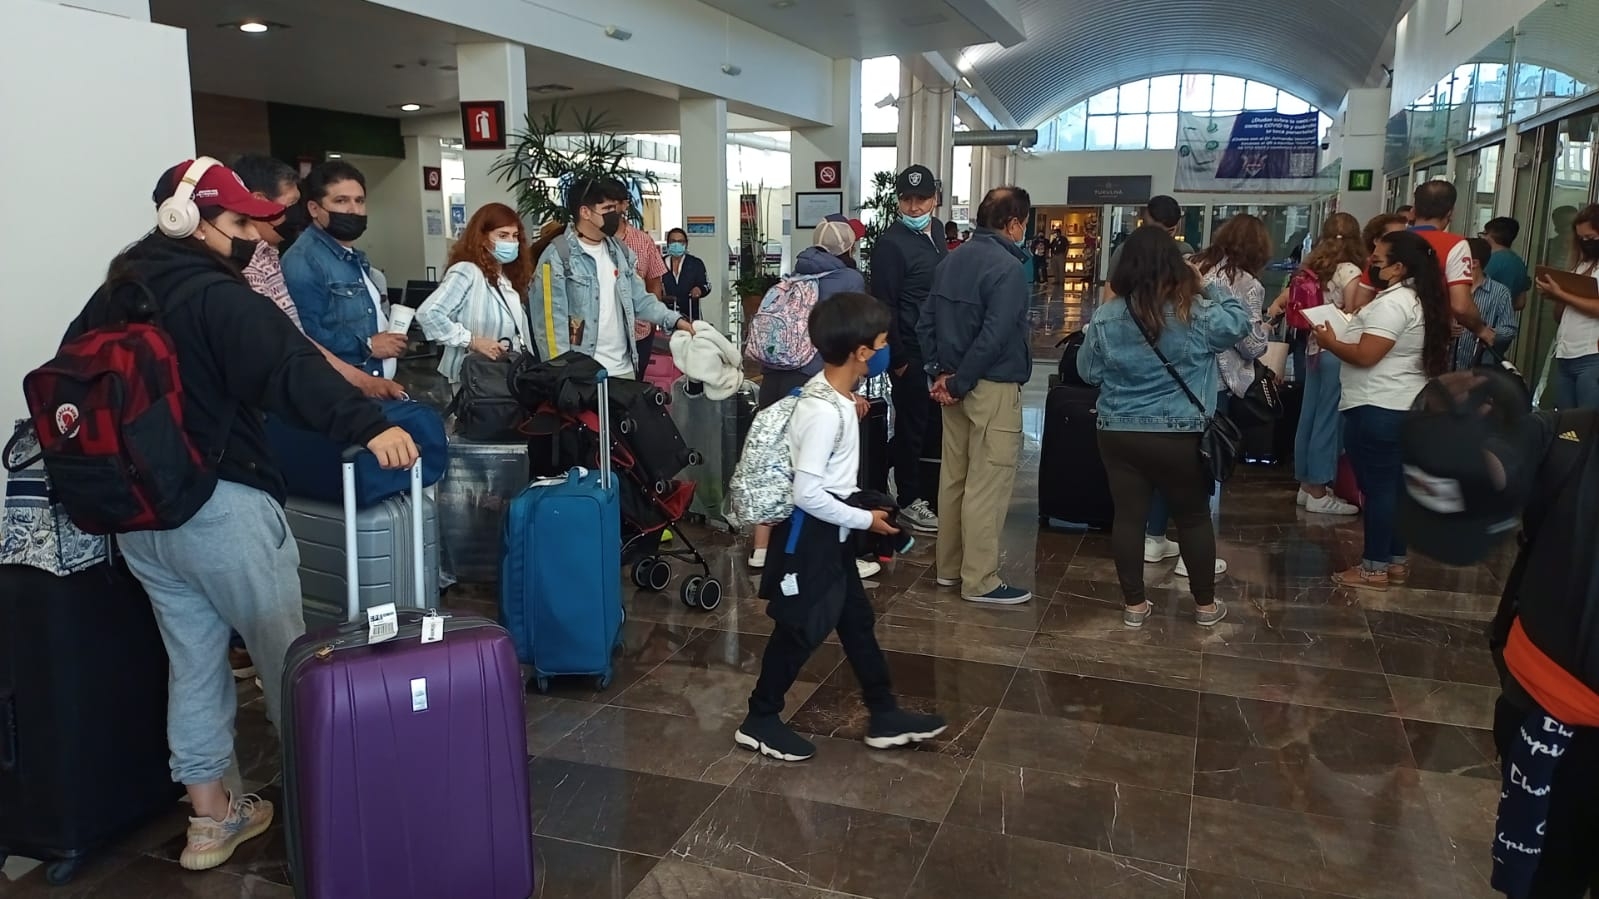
1302 165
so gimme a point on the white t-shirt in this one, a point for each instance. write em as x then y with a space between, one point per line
1333 294
823 476
612 342
390 366
1396 378
1578 335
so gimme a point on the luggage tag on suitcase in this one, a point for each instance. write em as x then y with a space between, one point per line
433 626
382 623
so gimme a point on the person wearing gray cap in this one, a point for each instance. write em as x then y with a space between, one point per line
903 260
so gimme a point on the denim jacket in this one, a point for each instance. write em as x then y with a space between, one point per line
1136 391
328 284
566 292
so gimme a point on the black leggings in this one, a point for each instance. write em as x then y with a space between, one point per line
1138 464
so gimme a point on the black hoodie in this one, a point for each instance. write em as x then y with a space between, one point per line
238 356
902 275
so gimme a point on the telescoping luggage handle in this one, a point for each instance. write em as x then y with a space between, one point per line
352 562
603 408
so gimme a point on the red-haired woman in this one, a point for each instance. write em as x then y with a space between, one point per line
479 306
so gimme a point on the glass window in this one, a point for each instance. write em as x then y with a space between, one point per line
1196 93
1134 98
1288 104
1163 131
1259 96
1073 128
1229 93
1103 102
1102 132
1163 93
1130 132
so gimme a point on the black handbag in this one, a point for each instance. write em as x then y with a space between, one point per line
1262 403
485 408
1219 443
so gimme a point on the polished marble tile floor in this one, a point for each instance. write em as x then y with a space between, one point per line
1319 743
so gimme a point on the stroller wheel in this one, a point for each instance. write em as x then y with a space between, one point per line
660 575
710 594
641 573
690 591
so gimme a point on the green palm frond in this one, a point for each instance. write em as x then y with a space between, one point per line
558 148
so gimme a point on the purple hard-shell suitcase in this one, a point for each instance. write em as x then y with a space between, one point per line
405 763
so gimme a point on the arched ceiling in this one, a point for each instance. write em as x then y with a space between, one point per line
1317 49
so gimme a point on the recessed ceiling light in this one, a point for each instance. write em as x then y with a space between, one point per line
335 156
783 4
410 107
550 88
254 27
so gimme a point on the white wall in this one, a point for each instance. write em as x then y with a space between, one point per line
1424 54
106 139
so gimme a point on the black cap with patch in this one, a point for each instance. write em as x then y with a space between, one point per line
916 181
1469 461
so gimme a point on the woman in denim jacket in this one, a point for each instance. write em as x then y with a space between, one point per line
1148 428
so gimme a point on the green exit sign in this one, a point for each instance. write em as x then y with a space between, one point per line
1361 179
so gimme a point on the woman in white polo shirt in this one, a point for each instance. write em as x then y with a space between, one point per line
1577 340
1393 345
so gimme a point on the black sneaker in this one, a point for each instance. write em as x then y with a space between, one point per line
772 738
901 728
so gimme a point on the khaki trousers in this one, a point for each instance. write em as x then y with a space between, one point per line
982 441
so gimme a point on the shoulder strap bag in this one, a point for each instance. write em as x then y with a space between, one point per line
1221 439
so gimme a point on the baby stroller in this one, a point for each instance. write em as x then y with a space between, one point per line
647 454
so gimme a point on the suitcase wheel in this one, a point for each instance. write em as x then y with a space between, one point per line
541 684
59 873
625 426
604 681
694 458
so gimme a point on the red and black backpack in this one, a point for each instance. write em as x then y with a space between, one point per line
108 410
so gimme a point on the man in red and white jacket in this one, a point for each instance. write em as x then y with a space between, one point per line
1434 208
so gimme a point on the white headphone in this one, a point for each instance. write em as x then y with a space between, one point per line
177 216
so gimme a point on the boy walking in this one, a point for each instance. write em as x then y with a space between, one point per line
810 579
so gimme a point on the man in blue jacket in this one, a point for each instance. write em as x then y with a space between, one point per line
974 328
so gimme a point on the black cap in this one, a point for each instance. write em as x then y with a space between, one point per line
1470 455
916 181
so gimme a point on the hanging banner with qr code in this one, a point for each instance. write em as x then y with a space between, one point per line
1252 152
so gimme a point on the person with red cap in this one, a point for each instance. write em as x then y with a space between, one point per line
233 565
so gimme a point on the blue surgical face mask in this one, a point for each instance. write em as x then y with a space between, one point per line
506 251
676 249
878 364
917 222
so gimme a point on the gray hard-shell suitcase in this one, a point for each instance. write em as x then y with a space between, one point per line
473 497
715 429
385 561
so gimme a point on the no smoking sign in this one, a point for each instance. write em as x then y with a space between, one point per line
829 175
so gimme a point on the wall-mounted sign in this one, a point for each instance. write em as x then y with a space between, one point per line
811 209
1107 190
435 220
1361 179
829 175
700 224
432 177
483 124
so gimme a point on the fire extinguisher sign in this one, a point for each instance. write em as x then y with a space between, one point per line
483 124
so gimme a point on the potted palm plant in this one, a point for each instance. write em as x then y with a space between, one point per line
884 205
557 149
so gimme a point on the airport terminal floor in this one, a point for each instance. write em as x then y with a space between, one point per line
1319 743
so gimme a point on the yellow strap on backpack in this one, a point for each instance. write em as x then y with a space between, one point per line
549 311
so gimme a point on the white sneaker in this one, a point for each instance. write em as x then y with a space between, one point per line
1302 498
1331 505
867 568
758 558
1182 568
919 515
1159 549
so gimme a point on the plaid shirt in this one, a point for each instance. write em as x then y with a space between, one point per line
265 277
650 264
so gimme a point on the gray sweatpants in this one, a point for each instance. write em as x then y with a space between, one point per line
232 567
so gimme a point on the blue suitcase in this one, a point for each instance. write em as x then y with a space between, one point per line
561 574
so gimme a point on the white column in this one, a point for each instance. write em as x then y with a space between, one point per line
705 198
493 71
427 152
1365 123
839 142
979 177
906 103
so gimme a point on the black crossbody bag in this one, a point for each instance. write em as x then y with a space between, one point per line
1219 442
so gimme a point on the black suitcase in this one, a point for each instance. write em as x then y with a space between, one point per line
1272 442
83 714
1072 486
874 446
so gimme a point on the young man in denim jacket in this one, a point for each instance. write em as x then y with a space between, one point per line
586 294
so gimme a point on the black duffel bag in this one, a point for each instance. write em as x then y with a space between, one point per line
485 406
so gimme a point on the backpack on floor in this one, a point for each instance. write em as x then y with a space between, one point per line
108 411
779 332
1304 292
761 490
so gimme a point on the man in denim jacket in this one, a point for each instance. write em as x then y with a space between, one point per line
331 281
586 294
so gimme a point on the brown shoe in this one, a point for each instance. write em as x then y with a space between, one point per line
1361 579
241 663
1398 575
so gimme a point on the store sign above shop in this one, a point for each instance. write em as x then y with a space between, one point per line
1109 190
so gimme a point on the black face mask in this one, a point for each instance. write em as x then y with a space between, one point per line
1590 247
1374 275
242 252
346 226
613 224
